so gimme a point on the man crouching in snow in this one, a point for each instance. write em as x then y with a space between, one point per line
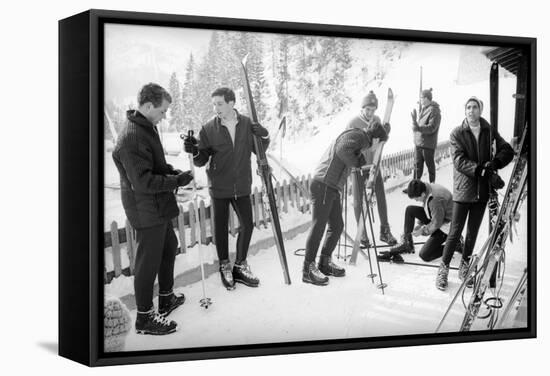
345 153
434 220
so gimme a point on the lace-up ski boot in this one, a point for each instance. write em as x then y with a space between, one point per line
243 274
327 267
406 245
226 274
154 323
386 235
441 281
310 274
365 242
168 302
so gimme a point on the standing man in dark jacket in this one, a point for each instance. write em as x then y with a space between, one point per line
474 176
226 143
368 120
345 153
147 186
425 129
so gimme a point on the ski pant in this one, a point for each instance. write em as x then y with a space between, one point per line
424 155
156 254
243 207
326 209
358 189
433 247
474 211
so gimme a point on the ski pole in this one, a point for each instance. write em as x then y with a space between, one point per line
205 302
381 285
358 180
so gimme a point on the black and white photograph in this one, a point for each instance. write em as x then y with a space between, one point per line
272 188
283 188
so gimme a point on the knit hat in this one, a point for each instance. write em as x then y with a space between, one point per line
477 100
427 93
370 100
116 324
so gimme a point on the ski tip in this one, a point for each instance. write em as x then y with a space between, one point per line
244 60
390 92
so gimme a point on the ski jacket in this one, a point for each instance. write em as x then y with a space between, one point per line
229 171
343 154
426 129
362 123
469 154
438 206
147 182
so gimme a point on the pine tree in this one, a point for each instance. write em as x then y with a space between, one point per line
176 108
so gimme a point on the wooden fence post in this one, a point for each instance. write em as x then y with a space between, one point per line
181 229
202 222
192 223
117 264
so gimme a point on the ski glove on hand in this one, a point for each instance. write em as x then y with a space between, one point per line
361 161
176 171
496 181
190 145
184 178
258 130
414 116
378 131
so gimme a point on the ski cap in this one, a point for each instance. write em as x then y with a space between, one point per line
370 100
427 93
477 100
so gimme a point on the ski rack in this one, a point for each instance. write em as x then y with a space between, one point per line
493 247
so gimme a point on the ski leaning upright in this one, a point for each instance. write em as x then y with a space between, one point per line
265 173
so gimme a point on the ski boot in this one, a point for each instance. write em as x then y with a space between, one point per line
226 275
463 273
365 242
168 302
154 323
327 267
406 245
441 281
386 235
242 274
389 256
310 274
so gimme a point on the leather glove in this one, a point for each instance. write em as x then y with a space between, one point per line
176 171
361 161
387 128
414 116
496 181
184 178
258 130
484 170
190 145
379 132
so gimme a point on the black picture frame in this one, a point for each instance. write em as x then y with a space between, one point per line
80 185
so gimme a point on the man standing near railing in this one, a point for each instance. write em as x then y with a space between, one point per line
425 130
226 143
368 120
147 185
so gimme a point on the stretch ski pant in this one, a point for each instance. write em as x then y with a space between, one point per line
424 155
474 211
156 253
358 189
243 208
433 248
326 209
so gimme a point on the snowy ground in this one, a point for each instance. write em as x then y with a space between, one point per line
348 307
